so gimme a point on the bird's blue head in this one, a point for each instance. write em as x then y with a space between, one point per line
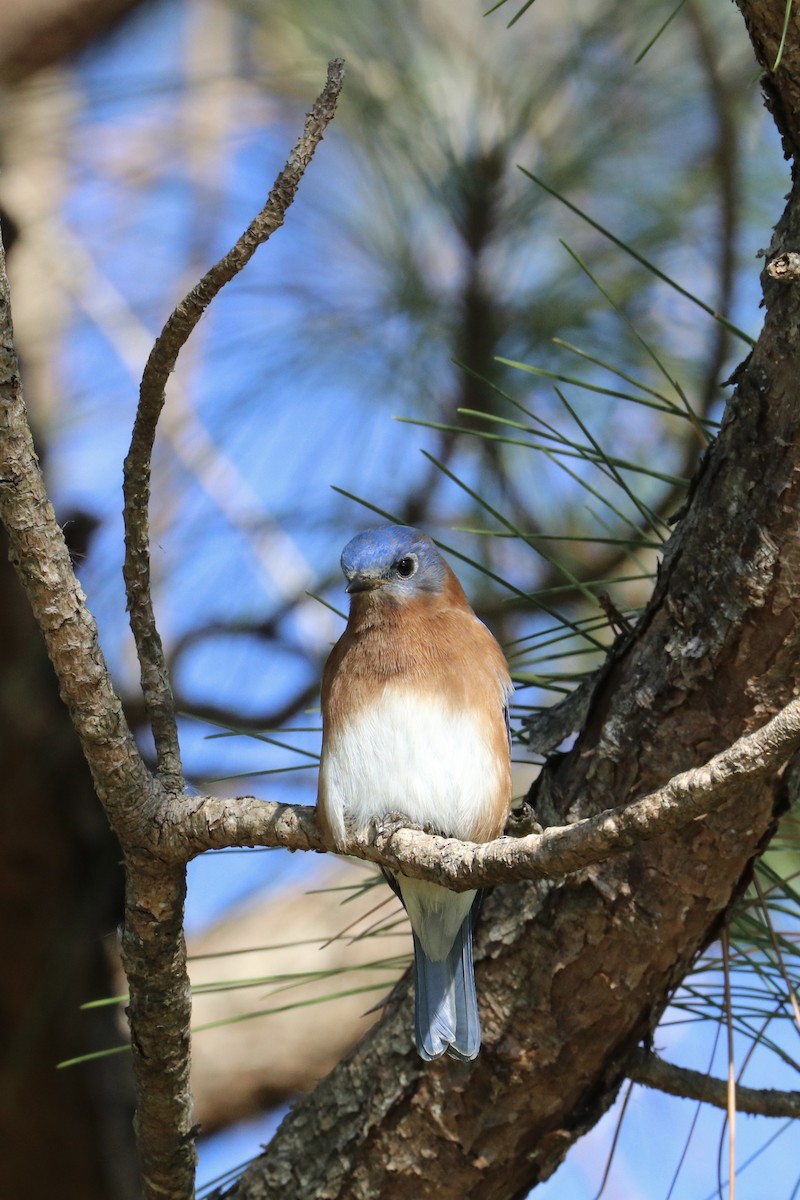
396 559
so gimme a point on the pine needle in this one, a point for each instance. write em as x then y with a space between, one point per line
640 258
659 32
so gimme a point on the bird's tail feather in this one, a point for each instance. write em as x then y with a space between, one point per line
446 1006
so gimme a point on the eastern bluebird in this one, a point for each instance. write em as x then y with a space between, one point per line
415 698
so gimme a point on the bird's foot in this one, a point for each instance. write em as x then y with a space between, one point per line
387 824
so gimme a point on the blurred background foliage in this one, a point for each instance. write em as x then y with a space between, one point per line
418 255
558 367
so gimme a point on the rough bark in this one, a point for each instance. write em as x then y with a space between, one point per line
60 897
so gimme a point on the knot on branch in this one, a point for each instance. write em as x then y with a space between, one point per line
785 268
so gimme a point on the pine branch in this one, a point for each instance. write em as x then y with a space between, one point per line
654 1072
214 823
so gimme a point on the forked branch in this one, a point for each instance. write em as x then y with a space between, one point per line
156 686
154 953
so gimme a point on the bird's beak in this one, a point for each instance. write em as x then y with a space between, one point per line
364 583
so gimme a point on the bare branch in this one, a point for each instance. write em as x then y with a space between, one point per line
654 1072
42 562
159 1014
153 948
155 678
201 823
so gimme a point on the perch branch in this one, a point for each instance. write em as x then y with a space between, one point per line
199 823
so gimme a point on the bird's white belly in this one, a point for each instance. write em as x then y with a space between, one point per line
414 755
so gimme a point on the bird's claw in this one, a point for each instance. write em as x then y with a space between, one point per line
387 824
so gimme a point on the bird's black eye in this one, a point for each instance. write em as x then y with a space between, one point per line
406 567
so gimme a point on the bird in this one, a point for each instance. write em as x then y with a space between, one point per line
415 721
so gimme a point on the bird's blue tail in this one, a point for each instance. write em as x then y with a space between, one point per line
446 1006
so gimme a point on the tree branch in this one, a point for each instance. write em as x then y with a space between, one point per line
42 562
654 1072
156 686
153 951
200 823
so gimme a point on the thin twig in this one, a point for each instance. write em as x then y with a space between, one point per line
652 1071
731 1080
163 357
778 953
154 951
614 1142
